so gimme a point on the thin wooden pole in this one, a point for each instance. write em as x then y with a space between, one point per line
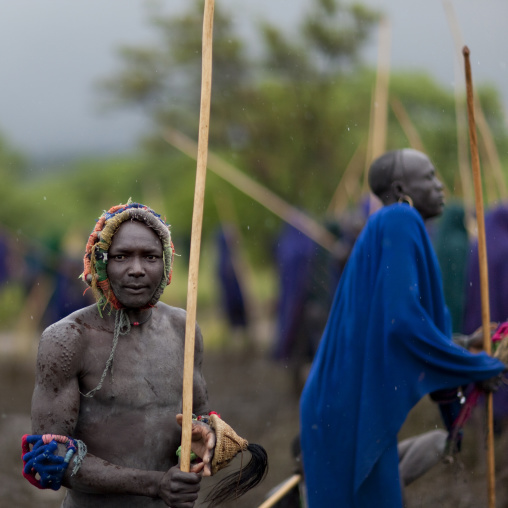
410 131
280 493
491 151
197 223
415 141
460 115
378 124
349 187
484 276
368 155
381 92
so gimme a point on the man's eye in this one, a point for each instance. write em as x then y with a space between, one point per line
118 257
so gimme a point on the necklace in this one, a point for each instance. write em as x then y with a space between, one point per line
139 323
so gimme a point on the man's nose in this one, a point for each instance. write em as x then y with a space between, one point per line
136 266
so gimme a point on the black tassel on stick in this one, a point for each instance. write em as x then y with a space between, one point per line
240 482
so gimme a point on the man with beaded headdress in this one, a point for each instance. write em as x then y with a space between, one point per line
107 398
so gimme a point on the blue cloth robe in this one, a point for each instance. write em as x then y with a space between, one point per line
386 344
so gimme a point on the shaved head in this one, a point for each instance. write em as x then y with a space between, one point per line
407 175
381 174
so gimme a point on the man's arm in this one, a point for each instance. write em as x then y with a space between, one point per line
200 392
55 401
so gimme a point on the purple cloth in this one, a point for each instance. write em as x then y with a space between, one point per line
4 258
496 233
294 254
232 298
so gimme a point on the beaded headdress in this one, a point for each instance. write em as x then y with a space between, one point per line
99 242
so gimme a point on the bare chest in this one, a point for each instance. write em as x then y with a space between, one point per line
145 372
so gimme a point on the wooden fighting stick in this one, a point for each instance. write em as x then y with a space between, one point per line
292 482
484 276
197 223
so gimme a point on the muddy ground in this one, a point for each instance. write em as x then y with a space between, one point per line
257 397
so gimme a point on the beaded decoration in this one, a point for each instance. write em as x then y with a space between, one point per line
96 255
42 460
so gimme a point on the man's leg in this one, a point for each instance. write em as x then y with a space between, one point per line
420 453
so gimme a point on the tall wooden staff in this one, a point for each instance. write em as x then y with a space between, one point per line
197 223
484 276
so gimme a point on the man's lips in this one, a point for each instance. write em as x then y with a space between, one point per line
134 289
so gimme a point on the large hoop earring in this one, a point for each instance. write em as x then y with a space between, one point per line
406 199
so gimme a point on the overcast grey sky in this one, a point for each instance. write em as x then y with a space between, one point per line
55 50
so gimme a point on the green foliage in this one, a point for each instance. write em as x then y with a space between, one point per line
291 119
11 300
337 31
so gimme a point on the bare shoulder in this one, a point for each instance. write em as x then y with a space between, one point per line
69 335
174 314
176 318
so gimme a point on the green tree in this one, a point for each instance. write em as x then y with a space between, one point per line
267 114
165 79
291 118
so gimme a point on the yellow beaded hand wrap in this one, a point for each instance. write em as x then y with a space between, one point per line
228 443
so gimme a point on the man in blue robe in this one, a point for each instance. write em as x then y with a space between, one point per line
387 343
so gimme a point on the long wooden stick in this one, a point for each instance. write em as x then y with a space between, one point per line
197 223
484 275
280 493
460 117
410 131
415 141
381 92
349 188
378 122
491 151
256 191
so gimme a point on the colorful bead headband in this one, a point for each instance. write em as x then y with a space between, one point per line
99 242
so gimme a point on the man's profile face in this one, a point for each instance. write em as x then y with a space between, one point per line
422 184
135 264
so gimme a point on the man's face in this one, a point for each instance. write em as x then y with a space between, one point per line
135 264
421 184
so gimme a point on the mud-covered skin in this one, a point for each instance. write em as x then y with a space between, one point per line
129 426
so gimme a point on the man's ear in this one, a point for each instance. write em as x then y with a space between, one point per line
397 188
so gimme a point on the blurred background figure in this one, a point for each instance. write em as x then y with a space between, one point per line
294 254
38 284
496 232
232 297
452 245
308 278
